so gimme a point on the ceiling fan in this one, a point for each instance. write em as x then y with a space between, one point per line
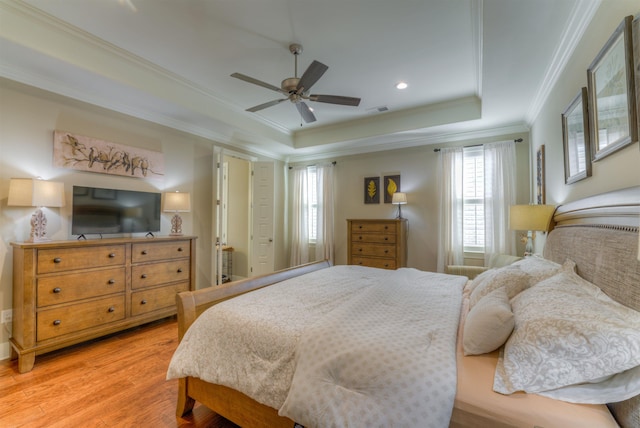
296 89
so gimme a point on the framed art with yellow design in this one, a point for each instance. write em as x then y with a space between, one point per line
391 185
372 190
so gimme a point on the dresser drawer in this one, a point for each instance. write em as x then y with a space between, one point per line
65 259
152 251
373 262
151 274
374 238
53 290
73 318
376 250
372 227
156 298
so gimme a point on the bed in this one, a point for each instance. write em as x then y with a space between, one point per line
595 238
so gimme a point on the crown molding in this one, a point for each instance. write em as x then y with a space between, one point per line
580 17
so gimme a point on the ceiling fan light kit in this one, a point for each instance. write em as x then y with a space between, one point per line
296 89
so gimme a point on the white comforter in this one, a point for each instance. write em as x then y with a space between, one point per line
369 347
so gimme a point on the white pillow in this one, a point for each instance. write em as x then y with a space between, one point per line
489 324
567 332
512 279
538 268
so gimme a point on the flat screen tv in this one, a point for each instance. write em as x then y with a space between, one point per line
111 211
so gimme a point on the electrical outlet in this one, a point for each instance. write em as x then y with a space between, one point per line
6 316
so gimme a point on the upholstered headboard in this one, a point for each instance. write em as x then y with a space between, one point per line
600 234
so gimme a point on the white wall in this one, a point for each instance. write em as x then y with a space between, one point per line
617 171
28 118
417 169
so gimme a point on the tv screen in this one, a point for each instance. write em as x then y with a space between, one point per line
106 211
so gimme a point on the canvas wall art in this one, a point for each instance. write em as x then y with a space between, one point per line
82 153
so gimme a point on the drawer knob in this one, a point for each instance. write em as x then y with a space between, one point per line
143 276
360 238
386 251
179 249
112 309
360 263
57 260
143 302
144 252
57 290
179 270
57 322
386 238
360 227
112 281
112 255
360 249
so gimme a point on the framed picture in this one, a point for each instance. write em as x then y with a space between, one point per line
391 186
372 190
635 30
575 138
541 197
611 83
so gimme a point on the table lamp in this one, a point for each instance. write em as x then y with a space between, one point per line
176 202
27 192
530 218
399 199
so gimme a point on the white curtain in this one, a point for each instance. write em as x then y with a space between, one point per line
499 193
303 249
450 243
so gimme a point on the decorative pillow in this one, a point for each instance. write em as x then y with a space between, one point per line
489 324
567 332
484 276
538 268
512 279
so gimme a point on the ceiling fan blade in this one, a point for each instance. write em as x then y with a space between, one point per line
305 112
265 105
311 75
335 99
257 82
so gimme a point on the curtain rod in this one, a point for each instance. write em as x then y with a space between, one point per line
517 140
332 163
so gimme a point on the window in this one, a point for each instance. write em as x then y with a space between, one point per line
311 199
473 199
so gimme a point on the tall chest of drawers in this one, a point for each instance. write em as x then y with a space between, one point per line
377 243
66 292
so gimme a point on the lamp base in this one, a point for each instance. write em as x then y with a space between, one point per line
38 227
176 226
399 212
528 249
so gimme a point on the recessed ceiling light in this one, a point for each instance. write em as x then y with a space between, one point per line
401 85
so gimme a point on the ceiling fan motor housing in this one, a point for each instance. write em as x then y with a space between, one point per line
290 85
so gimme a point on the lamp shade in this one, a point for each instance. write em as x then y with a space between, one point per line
399 198
27 192
530 217
177 202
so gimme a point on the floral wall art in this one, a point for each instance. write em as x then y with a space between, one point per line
91 154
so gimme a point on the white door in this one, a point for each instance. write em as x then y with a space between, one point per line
262 260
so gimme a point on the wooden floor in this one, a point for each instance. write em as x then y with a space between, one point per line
117 381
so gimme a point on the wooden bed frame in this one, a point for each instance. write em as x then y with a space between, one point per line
616 213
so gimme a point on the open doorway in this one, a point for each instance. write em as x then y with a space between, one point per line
235 216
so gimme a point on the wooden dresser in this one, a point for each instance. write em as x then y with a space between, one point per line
377 243
66 292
